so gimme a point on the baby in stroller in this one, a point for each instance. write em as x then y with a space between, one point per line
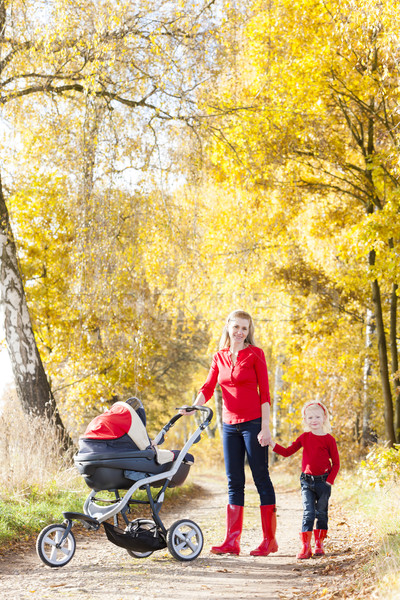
123 427
116 453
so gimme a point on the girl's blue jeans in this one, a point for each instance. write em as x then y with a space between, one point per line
240 440
315 494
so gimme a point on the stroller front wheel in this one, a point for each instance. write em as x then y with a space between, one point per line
185 540
51 550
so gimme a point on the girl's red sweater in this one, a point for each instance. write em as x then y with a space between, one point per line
320 454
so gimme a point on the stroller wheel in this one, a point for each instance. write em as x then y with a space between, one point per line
185 540
139 554
48 549
145 524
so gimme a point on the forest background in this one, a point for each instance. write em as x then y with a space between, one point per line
165 163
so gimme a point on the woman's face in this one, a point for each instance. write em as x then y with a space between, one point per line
238 330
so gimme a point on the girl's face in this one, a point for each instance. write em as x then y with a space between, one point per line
238 329
315 418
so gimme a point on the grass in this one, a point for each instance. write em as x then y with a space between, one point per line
36 481
23 517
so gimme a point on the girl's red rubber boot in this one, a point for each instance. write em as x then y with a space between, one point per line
268 522
305 552
319 536
234 525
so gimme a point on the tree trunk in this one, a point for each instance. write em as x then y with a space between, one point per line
31 383
218 408
394 357
210 431
367 436
278 387
383 359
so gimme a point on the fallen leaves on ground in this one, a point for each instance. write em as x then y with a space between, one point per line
346 571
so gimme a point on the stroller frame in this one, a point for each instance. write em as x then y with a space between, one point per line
56 543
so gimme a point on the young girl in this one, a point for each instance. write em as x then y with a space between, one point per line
320 465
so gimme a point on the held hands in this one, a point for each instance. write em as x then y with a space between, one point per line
264 437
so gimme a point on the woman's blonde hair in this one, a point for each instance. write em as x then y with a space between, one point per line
326 426
237 314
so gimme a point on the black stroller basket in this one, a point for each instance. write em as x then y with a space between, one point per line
129 471
136 537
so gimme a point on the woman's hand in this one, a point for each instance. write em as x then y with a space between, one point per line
185 410
264 437
200 400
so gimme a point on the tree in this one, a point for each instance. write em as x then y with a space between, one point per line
31 382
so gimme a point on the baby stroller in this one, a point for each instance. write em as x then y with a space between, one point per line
116 469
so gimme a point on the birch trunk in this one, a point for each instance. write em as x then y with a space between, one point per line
367 435
218 408
278 387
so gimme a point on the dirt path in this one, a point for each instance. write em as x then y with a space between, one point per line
100 570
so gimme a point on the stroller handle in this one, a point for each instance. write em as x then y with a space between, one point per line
159 439
205 409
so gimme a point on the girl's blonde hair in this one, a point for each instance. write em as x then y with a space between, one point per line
326 426
225 341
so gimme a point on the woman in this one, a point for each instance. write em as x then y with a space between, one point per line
240 369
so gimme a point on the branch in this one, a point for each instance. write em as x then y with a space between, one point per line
348 93
359 196
13 52
77 87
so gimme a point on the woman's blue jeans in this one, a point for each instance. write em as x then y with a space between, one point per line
315 494
240 440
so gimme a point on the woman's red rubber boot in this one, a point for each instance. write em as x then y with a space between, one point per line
234 525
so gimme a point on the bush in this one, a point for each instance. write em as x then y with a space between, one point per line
30 454
381 466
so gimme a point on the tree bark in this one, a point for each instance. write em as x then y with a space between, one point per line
394 357
383 358
218 408
277 397
31 383
367 435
